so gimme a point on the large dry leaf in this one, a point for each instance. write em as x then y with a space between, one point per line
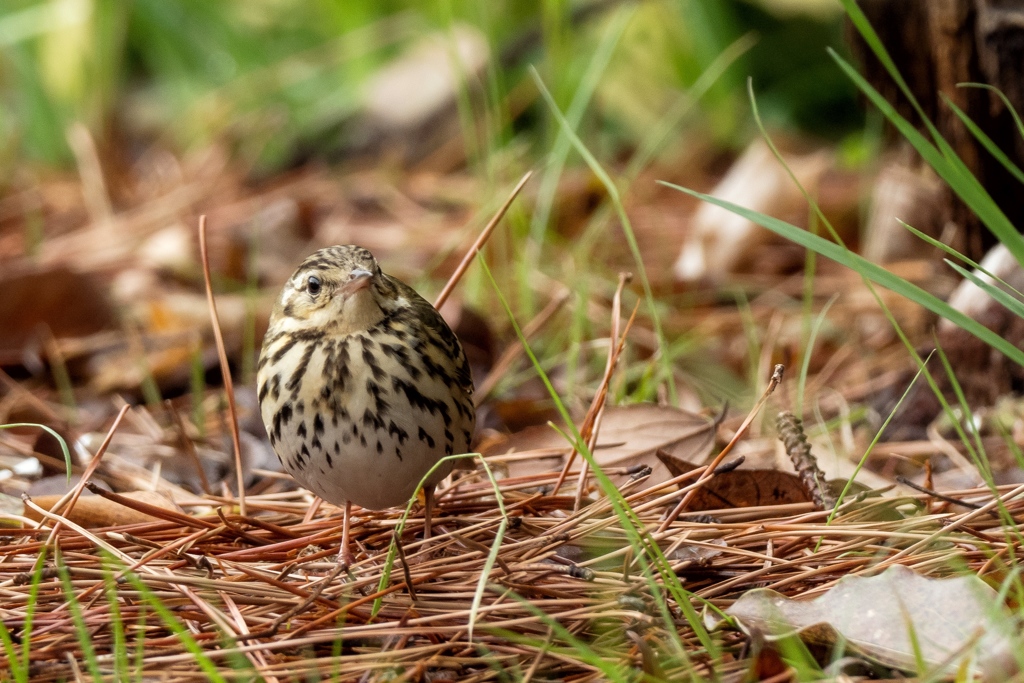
630 435
95 512
740 488
749 488
719 242
882 615
64 302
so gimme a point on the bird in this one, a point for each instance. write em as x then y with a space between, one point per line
362 386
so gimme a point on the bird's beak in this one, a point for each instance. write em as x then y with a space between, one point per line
359 279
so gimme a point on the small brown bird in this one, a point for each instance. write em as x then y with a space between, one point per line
362 385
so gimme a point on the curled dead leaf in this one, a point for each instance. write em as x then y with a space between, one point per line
740 488
951 622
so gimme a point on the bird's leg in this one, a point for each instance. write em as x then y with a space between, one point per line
428 509
345 555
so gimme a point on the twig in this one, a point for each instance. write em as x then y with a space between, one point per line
67 502
935 494
225 370
405 567
592 420
710 471
479 243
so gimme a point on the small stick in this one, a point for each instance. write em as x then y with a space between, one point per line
710 471
484 235
587 429
190 447
67 502
596 413
225 371
405 567
935 494
150 509
313 509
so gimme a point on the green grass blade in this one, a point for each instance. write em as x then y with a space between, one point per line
984 139
17 669
956 254
120 647
965 419
944 247
140 644
492 556
1001 95
33 595
946 165
1015 306
54 434
867 32
871 271
627 229
172 623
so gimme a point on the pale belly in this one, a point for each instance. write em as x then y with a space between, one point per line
350 433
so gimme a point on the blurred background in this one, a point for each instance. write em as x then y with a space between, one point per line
402 126
280 83
396 125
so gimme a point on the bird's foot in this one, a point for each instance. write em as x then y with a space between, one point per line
345 558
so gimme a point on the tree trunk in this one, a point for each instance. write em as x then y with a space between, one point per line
936 45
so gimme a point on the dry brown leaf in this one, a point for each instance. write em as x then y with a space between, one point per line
630 435
700 554
740 488
64 301
94 512
721 243
753 487
881 616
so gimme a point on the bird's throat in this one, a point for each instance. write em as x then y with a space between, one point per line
358 312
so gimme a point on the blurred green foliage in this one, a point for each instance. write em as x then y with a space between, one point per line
268 76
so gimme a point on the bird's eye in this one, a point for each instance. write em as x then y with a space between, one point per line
313 285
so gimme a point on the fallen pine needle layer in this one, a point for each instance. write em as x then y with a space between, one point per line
216 594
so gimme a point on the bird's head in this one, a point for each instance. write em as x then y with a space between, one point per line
339 289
